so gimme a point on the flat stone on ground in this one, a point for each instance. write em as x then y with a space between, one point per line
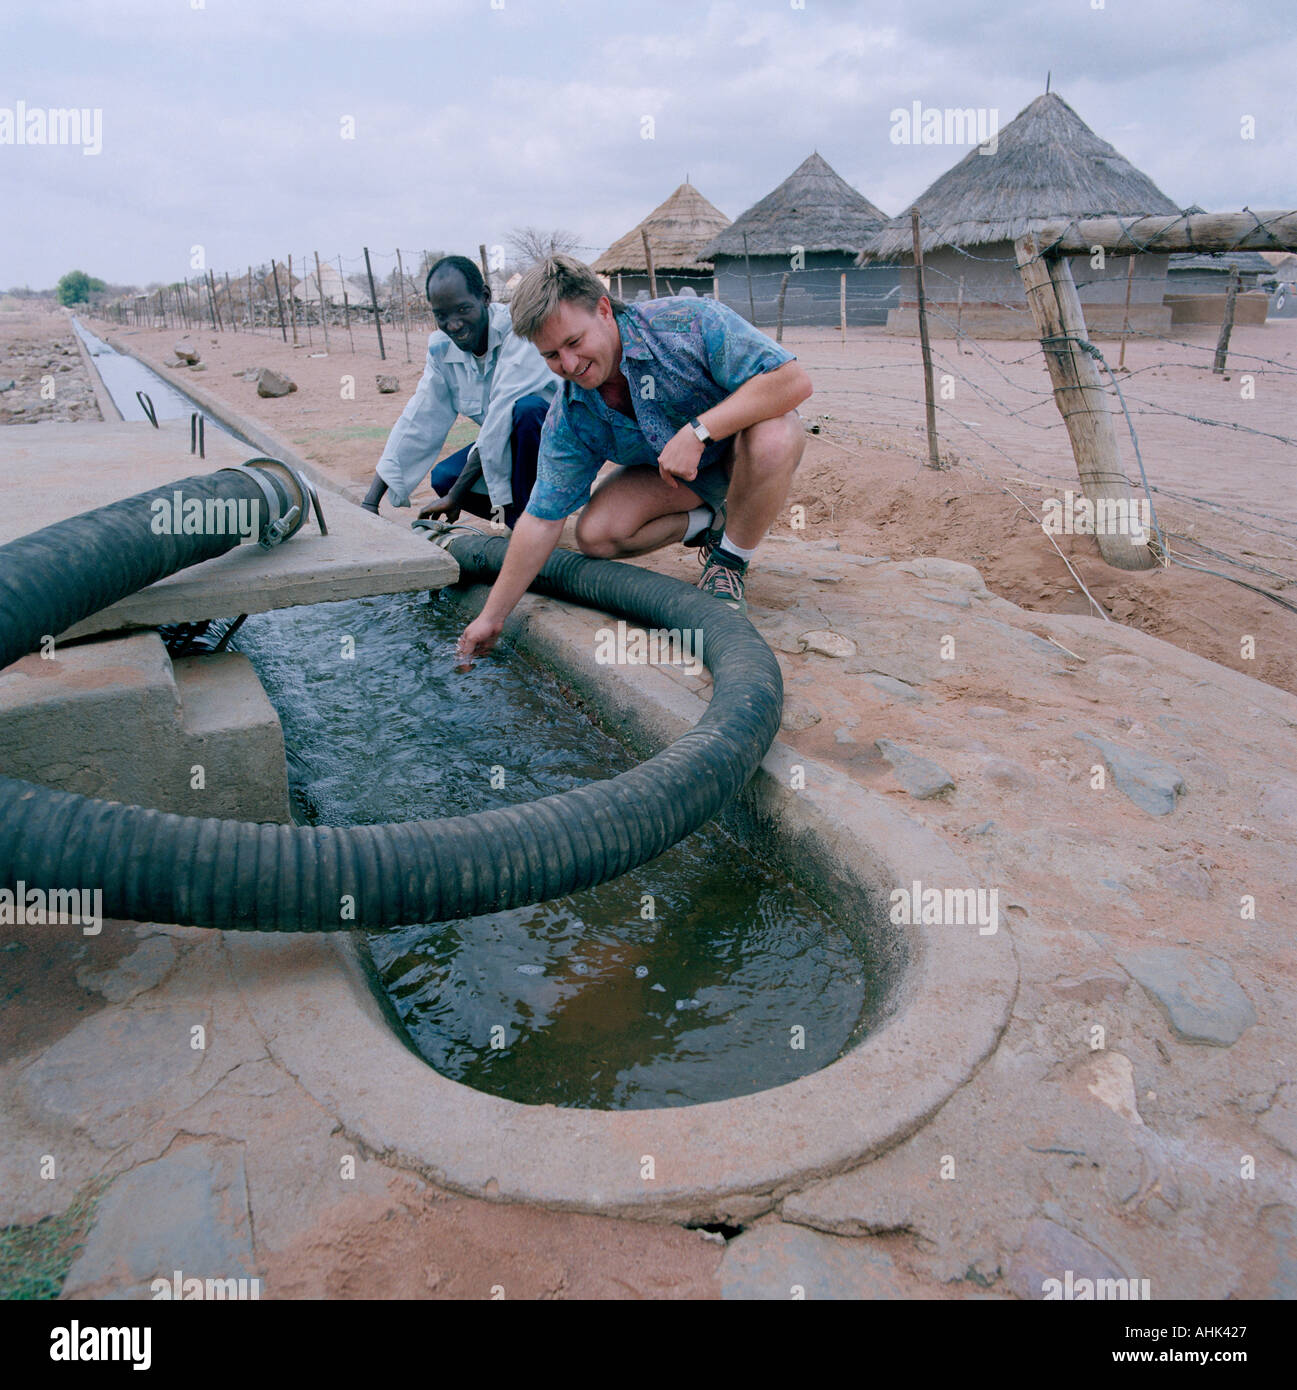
1151 783
790 1262
186 1211
1199 995
921 777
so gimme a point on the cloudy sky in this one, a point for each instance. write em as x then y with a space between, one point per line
223 121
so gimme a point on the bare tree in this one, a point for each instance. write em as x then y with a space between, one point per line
531 244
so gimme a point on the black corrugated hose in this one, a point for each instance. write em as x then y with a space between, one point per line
155 866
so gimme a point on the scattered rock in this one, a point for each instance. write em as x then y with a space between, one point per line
798 715
921 777
1198 994
187 1210
186 352
1091 989
272 383
148 965
1048 1251
842 735
387 385
1005 773
827 643
779 1262
898 690
8 385
1152 784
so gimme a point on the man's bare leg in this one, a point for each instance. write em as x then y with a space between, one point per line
766 456
633 512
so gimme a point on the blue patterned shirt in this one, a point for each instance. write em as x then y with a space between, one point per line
680 357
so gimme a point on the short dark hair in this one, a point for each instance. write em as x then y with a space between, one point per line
468 269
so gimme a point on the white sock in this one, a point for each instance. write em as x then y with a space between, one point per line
697 520
739 552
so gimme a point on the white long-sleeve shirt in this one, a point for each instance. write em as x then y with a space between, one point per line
484 389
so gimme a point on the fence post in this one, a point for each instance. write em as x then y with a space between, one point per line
346 306
752 304
373 299
930 404
1125 317
324 318
842 306
1227 322
211 296
1079 395
279 299
779 317
405 298
229 299
648 260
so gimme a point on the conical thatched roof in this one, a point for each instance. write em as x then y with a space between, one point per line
814 208
332 285
678 231
1048 164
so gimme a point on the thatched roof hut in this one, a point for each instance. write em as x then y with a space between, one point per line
811 227
814 208
678 230
1047 164
1044 165
331 278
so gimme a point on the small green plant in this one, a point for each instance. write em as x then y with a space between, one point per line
34 1260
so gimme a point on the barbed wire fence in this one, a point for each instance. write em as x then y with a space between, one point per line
376 299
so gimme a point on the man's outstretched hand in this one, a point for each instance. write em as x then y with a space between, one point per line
478 638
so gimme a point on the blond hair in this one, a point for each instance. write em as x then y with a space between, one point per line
549 283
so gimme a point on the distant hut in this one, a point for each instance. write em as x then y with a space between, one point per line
1197 283
1047 164
678 230
309 291
812 226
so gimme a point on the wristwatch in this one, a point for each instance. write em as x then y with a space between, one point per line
700 430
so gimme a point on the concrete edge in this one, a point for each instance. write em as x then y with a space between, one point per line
107 406
313 1000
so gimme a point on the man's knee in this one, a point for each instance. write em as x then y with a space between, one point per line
594 539
530 411
775 443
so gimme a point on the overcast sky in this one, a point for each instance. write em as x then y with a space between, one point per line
223 120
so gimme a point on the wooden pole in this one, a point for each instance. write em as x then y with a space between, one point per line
1208 231
752 304
279 298
252 313
405 298
229 300
1079 395
934 456
842 306
959 318
621 294
306 314
648 260
346 306
1125 317
481 251
1227 322
716 289
779 317
373 299
292 298
319 285
211 299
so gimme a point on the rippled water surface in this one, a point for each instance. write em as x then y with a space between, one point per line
686 980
